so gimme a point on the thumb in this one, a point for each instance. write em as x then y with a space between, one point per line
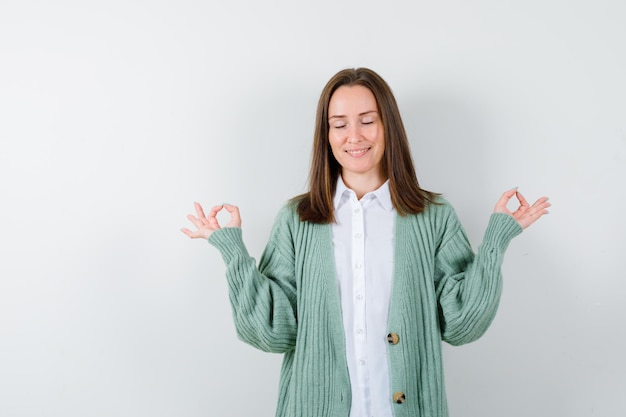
504 200
235 216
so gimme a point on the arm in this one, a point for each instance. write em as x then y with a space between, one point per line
468 286
263 299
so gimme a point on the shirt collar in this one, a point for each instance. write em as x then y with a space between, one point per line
342 193
382 195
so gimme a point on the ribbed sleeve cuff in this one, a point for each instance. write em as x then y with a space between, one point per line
502 228
229 241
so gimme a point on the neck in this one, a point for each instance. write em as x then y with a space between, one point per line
363 184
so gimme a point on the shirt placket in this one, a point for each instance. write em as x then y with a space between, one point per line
359 292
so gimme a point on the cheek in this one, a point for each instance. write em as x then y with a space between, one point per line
381 140
335 151
334 143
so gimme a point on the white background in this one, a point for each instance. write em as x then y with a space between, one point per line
116 115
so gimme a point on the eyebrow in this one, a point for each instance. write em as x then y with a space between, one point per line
339 116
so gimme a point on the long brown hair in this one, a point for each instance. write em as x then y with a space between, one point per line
407 196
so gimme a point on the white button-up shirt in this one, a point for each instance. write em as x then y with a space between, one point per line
363 246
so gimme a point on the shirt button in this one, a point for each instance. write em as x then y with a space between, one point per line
359 331
357 266
357 211
358 235
359 297
361 362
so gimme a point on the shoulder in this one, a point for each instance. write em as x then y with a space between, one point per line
438 220
440 204
287 220
440 211
289 212
291 234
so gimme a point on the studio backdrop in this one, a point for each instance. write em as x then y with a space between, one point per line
115 116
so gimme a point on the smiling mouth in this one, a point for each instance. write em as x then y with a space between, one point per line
357 152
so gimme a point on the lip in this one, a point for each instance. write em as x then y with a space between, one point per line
357 153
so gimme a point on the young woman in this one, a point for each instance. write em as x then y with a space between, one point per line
364 275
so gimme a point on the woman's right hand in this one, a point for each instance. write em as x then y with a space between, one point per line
207 225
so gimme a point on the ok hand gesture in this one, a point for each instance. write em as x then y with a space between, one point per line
525 214
207 225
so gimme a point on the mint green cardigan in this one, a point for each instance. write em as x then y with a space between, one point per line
290 304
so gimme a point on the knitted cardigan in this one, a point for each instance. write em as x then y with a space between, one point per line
290 304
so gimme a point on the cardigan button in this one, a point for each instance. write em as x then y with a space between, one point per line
393 338
399 397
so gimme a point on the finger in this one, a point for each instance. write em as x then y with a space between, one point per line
187 232
521 199
541 201
214 210
504 199
534 213
523 205
199 211
506 196
194 235
196 222
235 216
212 219
531 218
540 206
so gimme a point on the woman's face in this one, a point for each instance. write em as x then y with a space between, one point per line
356 132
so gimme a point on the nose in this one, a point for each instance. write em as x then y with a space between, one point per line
354 134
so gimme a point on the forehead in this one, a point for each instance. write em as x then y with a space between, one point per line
349 99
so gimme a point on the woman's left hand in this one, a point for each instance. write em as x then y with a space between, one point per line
525 214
